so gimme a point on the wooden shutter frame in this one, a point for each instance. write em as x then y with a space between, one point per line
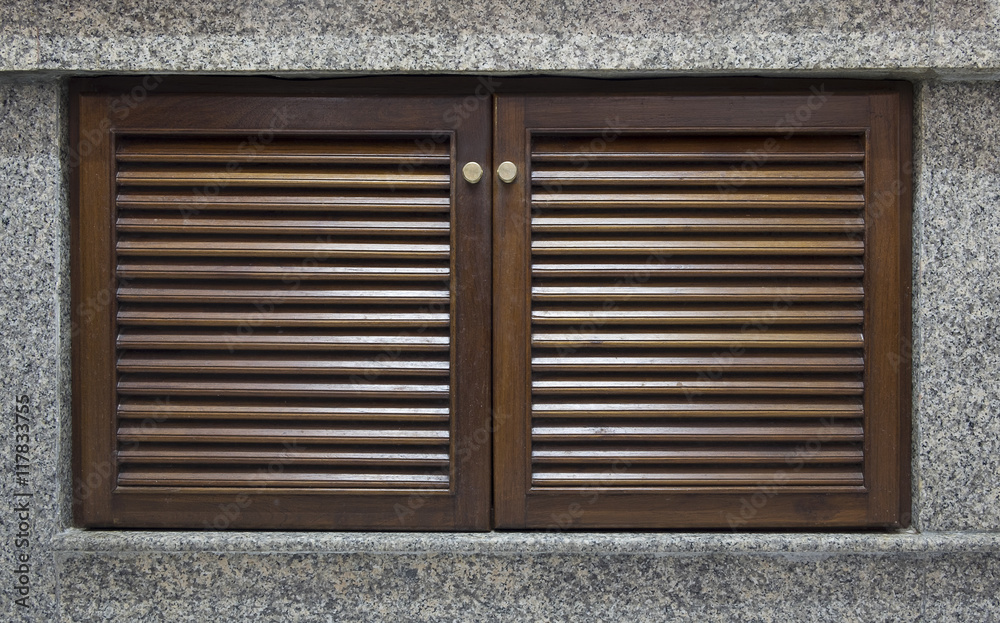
97 115
890 102
883 115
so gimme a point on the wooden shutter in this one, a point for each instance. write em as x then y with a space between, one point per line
294 330
700 304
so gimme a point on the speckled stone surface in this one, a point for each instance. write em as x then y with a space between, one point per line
950 571
442 587
209 586
32 212
529 543
957 308
527 577
514 35
963 588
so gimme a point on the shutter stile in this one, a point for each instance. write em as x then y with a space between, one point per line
683 305
697 313
284 314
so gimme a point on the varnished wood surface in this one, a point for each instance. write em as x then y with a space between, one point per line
699 293
703 302
293 312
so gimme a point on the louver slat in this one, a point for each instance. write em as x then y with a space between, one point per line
697 305
217 325
609 307
129 315
275 176
234 409
263 199
284 314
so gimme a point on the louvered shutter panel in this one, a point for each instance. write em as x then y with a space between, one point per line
703 303
299 333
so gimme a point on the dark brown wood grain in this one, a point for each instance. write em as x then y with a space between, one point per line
690 309
297 328
93 311
511 320
711 296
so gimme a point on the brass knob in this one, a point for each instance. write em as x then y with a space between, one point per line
472 172
507 171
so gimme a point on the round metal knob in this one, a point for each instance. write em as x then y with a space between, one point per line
507 171
472 172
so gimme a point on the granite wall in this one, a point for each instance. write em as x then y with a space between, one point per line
946 568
